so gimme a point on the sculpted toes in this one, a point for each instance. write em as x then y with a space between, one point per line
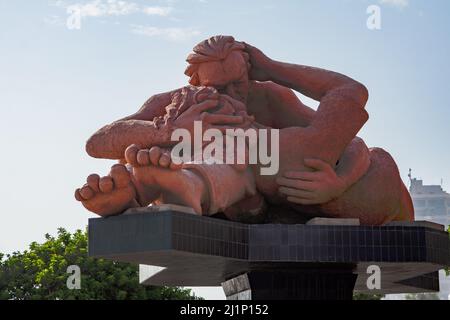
78 196
119 169
164 161
93 181
106 184
143 157
87 193
131 155
120 175
155 154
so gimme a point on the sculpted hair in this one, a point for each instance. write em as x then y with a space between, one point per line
216 48
180 102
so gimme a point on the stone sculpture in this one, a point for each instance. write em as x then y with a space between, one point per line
324 169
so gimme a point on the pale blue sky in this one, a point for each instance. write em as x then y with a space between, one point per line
57 86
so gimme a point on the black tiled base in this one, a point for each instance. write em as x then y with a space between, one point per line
202 251
316 283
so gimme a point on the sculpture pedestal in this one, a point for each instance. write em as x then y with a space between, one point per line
312 283
273 261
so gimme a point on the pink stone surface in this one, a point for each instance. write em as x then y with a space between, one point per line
325 169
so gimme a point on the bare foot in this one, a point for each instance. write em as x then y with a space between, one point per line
153 168
109 195
155 156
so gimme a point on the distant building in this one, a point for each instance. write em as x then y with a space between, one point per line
432 203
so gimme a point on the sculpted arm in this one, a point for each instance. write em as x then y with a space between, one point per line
111 141
330 131
325 182
312 82
340 114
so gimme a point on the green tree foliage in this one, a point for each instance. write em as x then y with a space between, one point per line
40 273
422 296
367 296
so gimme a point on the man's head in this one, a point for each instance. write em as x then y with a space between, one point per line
220 62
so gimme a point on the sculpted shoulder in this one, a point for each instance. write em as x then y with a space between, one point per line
268 89
266 99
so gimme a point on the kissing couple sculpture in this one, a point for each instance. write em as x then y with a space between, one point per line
325 170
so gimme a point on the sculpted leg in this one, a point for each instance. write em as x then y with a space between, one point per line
207 188
227 186
153 171
378 197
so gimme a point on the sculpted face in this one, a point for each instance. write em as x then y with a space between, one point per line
229 76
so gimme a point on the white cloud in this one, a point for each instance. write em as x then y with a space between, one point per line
103 8
106 8
396 3
100 8
158 11
173 34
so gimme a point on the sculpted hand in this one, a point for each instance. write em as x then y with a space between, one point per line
259 63
201 112
234 106
308 188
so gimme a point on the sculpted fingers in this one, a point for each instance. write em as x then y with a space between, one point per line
202 96
203 106
221 119
237 105
301 175
297 184
226 108
317 164
296 193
